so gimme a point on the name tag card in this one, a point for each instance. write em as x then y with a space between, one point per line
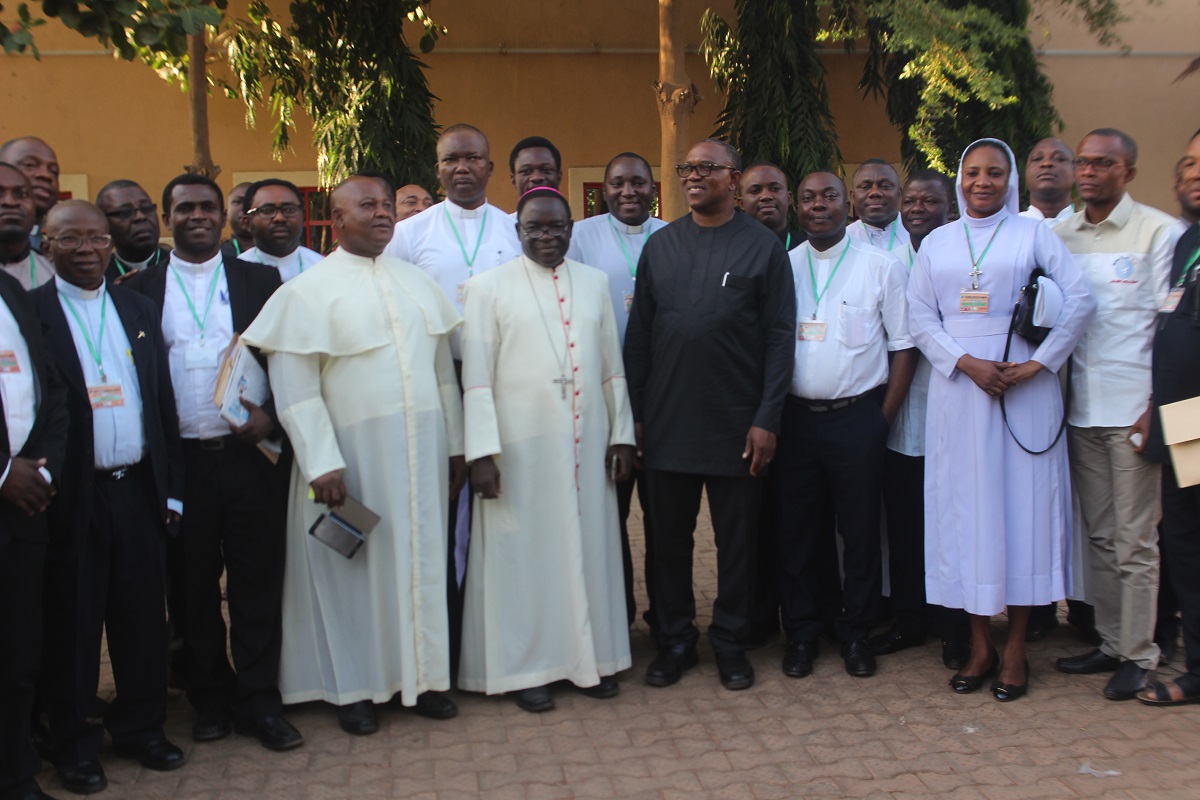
1168 307
107 395
628 301
201 358
973 302
8 363
810 330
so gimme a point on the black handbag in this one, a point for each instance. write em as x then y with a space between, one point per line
1022 325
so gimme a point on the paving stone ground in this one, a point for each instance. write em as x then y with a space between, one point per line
901 734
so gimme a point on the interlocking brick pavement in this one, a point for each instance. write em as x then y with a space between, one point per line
901 734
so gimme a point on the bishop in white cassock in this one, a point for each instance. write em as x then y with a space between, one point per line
359 356
548 425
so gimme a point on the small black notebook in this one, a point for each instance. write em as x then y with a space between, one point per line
345 529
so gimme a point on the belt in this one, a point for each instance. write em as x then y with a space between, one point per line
118 474
215 443
821 406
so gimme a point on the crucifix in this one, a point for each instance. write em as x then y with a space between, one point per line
975 273
562 384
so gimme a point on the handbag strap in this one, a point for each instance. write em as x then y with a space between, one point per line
1062 426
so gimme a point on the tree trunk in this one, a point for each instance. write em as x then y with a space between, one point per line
677 99
197 92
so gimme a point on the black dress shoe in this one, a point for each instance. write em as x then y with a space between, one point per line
955 653
1007 692
211 726
799 657
1089 663
605 690
535 700
435 705
860 661
272 731
157 754
358 718
965 684
1127 681
735 670
670 664
86 778
895 640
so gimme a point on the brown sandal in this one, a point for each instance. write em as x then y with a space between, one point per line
1167 693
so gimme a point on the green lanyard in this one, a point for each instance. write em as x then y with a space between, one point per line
629 260
975 270
482 227
1191 264
87 337
788 244
212 291
813 275
32 271
892 241
237 246
122 267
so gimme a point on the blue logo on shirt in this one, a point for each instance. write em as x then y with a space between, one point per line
1123 266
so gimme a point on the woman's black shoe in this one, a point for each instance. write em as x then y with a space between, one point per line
1007 692
965 684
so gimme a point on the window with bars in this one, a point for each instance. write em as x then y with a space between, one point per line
594 205
318 224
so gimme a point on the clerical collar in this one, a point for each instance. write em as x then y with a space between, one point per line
188 266
76 292
467 213
536 267
351 258
136 266
272 261
632 230
835 250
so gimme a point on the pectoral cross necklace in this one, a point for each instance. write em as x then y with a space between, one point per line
563 380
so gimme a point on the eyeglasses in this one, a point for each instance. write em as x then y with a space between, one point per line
703 169
1098 164
127 212
76 242
538 232
289 211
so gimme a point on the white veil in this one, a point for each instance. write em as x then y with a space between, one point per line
1012 198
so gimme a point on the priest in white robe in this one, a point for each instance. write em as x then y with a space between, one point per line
359 357
548 428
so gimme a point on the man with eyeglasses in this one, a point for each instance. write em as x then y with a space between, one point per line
17 256
236 498
1124 249
275 211
133 224
708 355
1049 178
120 492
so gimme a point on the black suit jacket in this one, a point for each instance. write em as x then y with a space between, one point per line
48 439
71 513
113 271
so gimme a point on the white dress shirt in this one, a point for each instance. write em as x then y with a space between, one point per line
892 238
614 248
289 266
17 388
195 358
1126 260
1036 213
32 270
118 432
442 239
865 312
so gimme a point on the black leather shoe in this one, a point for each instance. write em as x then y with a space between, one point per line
895 640
605 690
35 794
358 718
860 661
1007 692
435 705
735 670
157 754
1089 663
1127 681
955 653
965 684
799 657
211 726
535 700
670 664
272 731
86 778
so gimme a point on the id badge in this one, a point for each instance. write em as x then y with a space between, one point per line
628 301
201 358
973 302
8 363
108 395
1168 307
810 330
460 293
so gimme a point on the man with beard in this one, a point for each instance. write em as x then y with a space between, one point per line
17 256
275 210
37 160
133 224
1049 178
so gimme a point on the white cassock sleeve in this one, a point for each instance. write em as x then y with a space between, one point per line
616 390
480 344
452 401
296 383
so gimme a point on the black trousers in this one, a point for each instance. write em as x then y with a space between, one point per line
674 502
21 569
115 584
235 510
830 459
624 503
1180 530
